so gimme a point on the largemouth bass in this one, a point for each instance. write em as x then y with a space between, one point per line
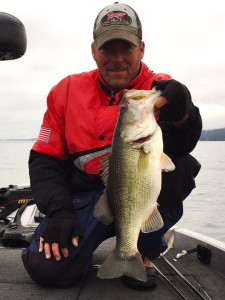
133 183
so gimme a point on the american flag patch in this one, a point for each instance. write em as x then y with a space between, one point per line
44 135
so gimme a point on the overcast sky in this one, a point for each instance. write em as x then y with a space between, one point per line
184 38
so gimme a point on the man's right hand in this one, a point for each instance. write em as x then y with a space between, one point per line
62 229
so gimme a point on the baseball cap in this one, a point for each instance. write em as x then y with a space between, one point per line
117 21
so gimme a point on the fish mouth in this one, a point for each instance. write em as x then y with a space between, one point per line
142 140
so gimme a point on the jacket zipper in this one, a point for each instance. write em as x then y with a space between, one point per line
112 97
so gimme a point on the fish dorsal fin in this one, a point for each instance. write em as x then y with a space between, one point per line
154 222
102 210
143 161
104 167
166 163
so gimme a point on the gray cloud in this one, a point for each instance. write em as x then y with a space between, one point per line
183 39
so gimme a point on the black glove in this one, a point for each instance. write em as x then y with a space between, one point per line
62 226
178 97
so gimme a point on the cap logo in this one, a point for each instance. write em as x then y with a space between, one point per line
116 18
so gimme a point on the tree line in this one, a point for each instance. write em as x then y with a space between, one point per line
213 135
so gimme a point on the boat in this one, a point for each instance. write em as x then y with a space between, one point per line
192 267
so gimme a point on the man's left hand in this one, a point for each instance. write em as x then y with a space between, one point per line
175 102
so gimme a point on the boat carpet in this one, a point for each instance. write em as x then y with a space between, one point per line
16 284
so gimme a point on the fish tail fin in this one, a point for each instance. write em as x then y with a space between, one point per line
115 266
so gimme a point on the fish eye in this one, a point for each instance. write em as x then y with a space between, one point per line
123 108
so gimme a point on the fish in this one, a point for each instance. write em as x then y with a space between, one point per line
132 175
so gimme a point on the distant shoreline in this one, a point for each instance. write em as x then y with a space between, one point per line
207 135
18 140
213 135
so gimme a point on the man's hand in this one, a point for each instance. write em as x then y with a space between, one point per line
61 230
175 102
161 101
54 247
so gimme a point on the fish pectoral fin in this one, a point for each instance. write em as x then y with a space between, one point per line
143 161
154 222
104 167
166 163
102 210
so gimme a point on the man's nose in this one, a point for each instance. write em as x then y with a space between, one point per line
117 55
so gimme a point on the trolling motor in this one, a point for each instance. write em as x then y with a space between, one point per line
19 216
13 45
12 198
13 40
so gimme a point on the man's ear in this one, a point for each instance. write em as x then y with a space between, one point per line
93 50
142 49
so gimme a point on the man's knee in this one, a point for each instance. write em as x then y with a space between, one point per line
66 272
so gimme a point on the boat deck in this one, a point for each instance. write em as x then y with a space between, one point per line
16 284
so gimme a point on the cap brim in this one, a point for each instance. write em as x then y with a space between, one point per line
114 34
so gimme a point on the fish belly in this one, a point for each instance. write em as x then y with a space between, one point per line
131 198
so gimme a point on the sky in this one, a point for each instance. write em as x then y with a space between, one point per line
182 38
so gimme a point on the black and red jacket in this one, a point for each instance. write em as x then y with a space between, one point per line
77 131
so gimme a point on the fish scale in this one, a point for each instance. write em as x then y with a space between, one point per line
133 183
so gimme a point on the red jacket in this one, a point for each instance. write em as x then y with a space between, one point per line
81 117
77 130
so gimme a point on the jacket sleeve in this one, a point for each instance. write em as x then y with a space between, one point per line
49 179
49 161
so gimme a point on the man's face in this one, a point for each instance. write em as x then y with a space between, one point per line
118 61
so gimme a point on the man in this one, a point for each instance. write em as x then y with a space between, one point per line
77 131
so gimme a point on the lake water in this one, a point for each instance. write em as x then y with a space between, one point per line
204 209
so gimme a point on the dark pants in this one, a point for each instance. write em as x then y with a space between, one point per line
68 271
